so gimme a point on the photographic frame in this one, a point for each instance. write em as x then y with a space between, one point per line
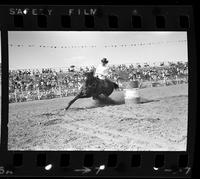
123 158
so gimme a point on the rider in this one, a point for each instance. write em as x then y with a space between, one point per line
102 70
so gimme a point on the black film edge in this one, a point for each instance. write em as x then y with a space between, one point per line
146 127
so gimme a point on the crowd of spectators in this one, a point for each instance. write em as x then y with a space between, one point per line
35 84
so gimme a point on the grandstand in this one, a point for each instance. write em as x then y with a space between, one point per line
48 83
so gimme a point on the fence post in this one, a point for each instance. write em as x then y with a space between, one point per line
15 96
60 92
38 93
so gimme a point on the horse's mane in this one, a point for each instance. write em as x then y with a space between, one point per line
90 78
89 74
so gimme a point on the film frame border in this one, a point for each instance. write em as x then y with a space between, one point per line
116 166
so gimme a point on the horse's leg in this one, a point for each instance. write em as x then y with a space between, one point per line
72 101
80 95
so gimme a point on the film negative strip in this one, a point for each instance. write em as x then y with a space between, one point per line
98 90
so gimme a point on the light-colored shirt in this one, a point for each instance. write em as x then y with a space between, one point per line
101 71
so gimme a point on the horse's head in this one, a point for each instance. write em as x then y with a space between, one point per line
89 77
89 74
90 82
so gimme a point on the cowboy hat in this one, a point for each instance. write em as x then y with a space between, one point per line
104 60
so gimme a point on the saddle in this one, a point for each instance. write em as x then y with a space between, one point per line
103 82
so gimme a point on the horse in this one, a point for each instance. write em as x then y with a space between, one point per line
94 87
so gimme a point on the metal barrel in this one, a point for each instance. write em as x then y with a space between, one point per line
131 93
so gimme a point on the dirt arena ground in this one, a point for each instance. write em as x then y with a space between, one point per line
159 123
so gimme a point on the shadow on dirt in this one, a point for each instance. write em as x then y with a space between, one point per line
52 122
144 100
151 120
103 101
100 102
173 97
50 115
